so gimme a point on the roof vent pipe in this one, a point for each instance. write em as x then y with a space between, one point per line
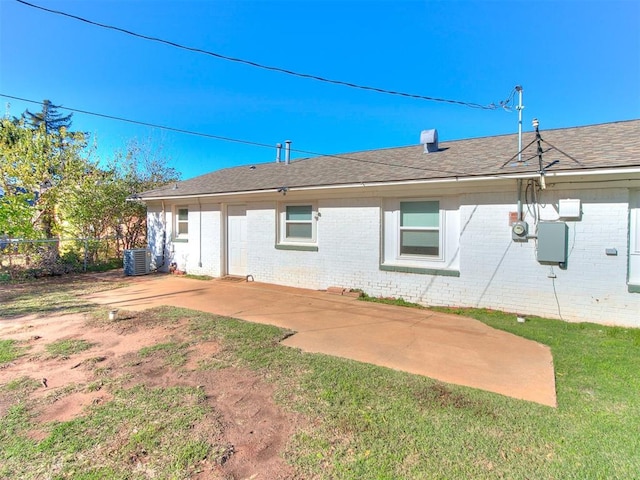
278 151
287 151
429 138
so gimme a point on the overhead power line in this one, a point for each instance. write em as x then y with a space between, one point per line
235 140
490 106
145 124
249 142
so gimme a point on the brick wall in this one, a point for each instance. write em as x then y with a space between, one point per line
495 271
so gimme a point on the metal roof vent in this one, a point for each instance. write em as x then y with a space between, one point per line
278 150
287 151
429 138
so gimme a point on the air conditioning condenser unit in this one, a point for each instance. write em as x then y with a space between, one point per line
137 261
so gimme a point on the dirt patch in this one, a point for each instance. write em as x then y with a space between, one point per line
200 355
71 406
254 425
255 430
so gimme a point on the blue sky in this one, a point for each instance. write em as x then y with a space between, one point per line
578 63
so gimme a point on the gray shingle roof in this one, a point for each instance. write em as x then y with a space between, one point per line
609 145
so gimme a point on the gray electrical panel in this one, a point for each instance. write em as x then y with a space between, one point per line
552 242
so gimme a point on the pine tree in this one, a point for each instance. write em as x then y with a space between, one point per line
56 162
49 118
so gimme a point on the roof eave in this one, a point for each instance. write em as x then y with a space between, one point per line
443 180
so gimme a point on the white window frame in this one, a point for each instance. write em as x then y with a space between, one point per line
283 222
448 257
176 223
402 229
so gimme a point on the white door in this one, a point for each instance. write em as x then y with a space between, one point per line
237 240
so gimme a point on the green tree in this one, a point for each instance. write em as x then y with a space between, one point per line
49 118
50 187
139 168
17 203
41 169
59 163
98 207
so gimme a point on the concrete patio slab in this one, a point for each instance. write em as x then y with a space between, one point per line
445 347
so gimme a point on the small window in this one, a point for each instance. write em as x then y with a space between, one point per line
420 228
421 236
299 222
182 222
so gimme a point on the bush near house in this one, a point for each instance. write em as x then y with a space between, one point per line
29 259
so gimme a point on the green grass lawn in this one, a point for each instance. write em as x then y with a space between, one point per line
66 348
175 353
9 351
364 422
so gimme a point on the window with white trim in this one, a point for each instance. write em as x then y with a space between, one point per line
420 228
421 235
298 223
181 226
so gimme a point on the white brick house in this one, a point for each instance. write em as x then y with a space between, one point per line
437 228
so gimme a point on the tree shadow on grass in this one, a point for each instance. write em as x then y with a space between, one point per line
46 297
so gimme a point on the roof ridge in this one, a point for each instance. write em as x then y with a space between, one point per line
605 145
575 127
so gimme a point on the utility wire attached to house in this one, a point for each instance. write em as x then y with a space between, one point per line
539 141
235 140
492 106
244 142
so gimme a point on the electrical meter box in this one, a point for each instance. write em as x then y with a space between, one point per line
519 231
552 242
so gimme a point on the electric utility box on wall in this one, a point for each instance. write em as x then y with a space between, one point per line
519 231
552 242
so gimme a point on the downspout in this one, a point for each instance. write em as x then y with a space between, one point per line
199 233
164 236
224 247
